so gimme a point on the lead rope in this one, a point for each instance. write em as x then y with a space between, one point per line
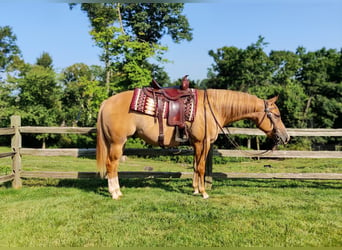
228 136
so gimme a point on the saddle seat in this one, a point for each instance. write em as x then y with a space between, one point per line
175 99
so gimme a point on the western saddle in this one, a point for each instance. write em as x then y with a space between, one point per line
175 98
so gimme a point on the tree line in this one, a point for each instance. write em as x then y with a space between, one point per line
309 83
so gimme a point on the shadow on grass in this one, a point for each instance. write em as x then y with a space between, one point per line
99 186
184 186
7 184
279 183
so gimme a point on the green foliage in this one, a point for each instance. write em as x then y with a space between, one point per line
129 35
135 143
150 21
34 93
307 82
239 69
75 141
6 104
127 55
135 67
9 54
44 60
323 85
82 97
8 48
285 65
38 98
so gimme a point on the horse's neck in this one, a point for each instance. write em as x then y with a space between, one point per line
233 106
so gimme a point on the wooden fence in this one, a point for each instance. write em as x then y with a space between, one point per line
16 130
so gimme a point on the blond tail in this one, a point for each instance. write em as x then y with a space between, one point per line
101 145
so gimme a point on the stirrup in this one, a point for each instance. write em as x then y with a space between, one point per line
179 138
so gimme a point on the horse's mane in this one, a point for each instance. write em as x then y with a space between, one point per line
233 103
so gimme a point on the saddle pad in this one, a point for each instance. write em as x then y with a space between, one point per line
148 105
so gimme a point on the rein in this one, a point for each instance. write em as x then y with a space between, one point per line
228 136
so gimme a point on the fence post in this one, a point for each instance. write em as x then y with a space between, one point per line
209 168
16 145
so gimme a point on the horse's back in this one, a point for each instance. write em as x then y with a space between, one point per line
115 113
119 100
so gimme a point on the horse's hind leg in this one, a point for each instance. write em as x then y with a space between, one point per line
112 170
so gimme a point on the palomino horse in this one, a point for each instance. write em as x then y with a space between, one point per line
215 109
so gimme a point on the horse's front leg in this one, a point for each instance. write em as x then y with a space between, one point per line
195 177
112 170
201 152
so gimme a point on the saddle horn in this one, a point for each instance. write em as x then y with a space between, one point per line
185 83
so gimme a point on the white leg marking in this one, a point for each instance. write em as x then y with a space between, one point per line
112 187
117 188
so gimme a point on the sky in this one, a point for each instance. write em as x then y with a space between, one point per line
286 24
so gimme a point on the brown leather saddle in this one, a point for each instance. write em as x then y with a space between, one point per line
173 101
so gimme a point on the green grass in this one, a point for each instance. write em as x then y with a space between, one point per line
163 212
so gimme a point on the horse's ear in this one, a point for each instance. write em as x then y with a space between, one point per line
273 99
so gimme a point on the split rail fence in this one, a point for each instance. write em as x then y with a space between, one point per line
15 130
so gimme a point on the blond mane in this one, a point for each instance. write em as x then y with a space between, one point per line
233 103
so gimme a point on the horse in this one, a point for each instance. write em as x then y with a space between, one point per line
216 108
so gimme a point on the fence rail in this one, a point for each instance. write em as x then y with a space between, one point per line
233 131
78 152
17 151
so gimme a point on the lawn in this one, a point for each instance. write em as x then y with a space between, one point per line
164 213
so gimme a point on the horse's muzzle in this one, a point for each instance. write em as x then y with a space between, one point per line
281 138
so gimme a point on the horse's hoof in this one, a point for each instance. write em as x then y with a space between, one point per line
195 192
116 195
205 196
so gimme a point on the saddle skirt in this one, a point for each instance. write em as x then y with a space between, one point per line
177 105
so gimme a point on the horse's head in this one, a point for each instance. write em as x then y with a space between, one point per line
270 122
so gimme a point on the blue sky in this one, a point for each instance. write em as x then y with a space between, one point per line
286 24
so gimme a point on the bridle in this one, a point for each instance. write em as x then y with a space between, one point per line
270 116
277 139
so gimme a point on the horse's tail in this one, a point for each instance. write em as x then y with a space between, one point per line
101 144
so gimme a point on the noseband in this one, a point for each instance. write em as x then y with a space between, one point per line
270 116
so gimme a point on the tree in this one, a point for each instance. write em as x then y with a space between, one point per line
45 60
239 69
129 35
37 96
9 55
309 83
150 22
285 66
8 48
82 95
320 78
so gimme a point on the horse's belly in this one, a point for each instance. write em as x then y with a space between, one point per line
147 128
